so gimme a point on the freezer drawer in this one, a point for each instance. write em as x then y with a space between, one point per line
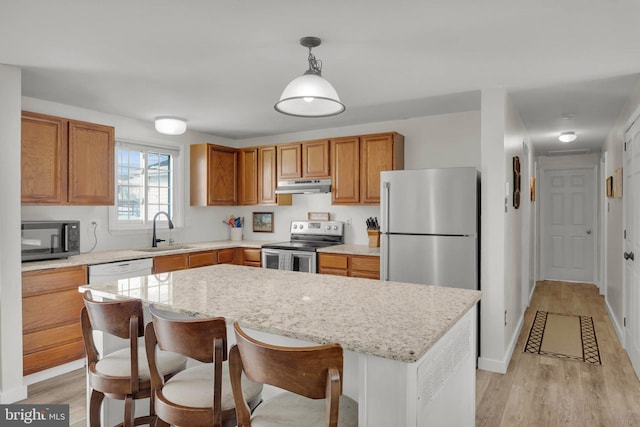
431 260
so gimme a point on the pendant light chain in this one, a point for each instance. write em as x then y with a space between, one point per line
315 65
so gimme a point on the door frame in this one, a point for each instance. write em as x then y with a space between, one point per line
575 163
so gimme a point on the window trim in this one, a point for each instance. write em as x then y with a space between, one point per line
177 151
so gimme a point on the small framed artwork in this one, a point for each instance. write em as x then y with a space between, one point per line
318 216
263 222
516 182
617 183
610 186
532 188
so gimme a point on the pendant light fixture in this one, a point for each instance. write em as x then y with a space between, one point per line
171 125
567 136
310 95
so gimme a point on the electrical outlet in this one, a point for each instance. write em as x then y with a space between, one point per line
94 222
349 222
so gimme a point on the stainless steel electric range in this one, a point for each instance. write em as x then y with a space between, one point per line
300 252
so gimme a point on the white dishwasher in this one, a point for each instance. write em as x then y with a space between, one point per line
119 270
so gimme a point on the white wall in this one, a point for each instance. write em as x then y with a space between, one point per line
492 280
11 388
504 266
444 140
514 139
614 220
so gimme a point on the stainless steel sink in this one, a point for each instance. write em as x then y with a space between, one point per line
164 248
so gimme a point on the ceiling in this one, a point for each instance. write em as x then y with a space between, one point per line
223 64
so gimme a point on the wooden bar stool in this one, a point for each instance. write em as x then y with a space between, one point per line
200 395
122 374
312 377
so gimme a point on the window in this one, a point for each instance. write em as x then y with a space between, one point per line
146 183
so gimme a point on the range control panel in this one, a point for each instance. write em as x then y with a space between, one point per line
315 228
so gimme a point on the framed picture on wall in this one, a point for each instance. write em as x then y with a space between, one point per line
263 222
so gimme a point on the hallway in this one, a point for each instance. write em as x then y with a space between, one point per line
545 391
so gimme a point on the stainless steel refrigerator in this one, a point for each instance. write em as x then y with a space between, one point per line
430 226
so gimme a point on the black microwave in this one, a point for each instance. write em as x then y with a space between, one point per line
50 239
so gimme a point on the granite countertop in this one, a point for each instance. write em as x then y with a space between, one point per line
398 321
351 250
129 254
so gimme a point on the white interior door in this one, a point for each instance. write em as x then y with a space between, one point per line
567 225
631 200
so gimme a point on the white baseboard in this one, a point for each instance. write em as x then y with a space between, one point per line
500 366
492 365
14 395
53 372
533 289
616 325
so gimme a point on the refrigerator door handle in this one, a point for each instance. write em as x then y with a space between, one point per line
386 190
384 257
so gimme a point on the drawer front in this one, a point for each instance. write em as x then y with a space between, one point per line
253 264
41 360
226 256
202 259
48 338
51 310
252 255
333 271
365 274
365 263
53 280
167 263
332 261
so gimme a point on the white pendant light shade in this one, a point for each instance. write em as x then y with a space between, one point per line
310 96
567 136
171 125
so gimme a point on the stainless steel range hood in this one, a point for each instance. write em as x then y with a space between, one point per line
300 186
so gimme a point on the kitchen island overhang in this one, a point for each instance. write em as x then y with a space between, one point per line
410 349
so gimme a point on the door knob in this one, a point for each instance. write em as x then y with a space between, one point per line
631 256
628 255
588 231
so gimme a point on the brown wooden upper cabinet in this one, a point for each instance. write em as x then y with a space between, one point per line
257 177
357 161
248 176
66 161
267 179
213 175
308 159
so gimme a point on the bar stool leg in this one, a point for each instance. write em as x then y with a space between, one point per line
129 411
94 408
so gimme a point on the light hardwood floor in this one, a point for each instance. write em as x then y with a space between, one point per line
545 391
535 391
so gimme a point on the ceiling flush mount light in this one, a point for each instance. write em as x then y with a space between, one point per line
567 136
310 95
171 125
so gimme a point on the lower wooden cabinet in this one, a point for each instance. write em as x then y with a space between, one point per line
203 259
364 266
166 263
252 257
51 307
228 256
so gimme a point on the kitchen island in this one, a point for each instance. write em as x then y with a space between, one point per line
409 349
